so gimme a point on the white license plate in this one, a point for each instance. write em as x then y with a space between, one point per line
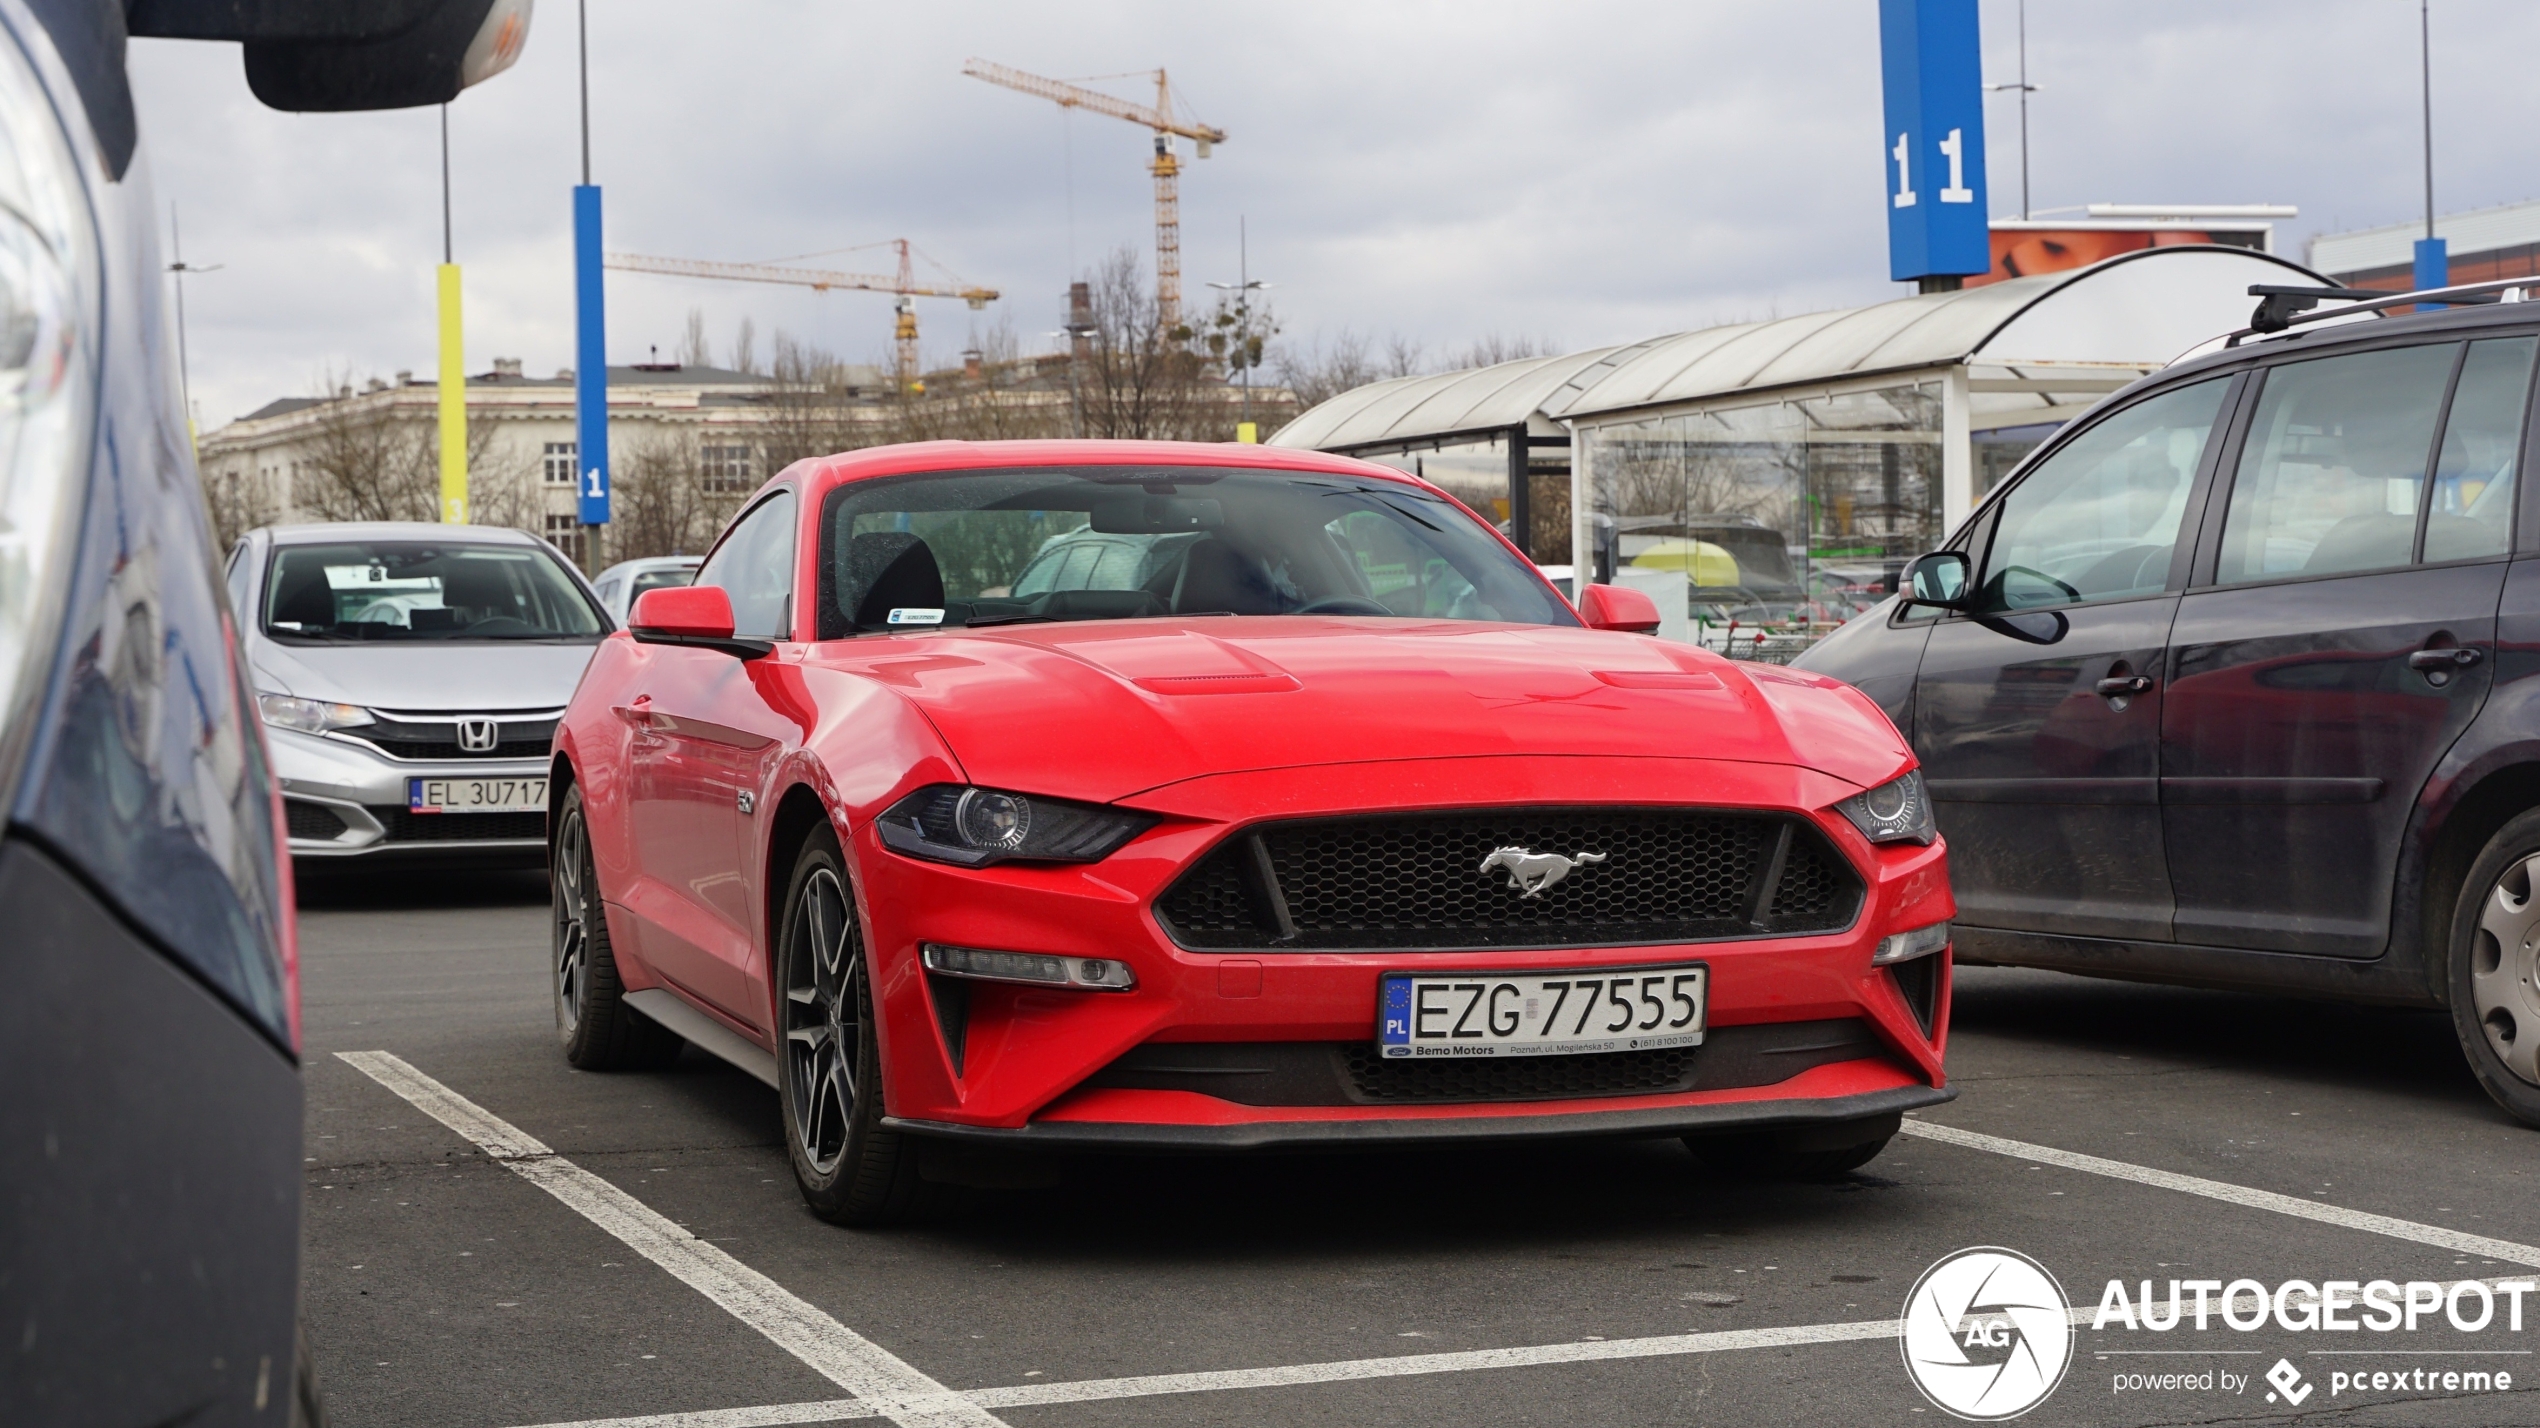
476 795
1541 1013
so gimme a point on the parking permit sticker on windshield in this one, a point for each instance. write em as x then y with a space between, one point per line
916 617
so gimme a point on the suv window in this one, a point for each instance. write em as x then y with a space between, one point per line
2471 512
755 566
2099 518
2332 479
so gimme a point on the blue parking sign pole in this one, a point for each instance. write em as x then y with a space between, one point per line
1933 81
591 363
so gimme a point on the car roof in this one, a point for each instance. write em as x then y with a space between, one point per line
324 533
2442 322
977 455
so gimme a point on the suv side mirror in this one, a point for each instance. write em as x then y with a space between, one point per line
1940 579
1613 607
696 615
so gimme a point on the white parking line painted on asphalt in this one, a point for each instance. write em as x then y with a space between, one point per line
884 1385
2397 1229
1285 1376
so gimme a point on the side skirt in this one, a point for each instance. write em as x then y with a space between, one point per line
704 1032
2381 980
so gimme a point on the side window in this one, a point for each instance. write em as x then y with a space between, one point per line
2099 518
755 566
2472 508
2334 468
239 575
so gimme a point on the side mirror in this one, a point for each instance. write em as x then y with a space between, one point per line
331 56
694 615
1940 579
1615 607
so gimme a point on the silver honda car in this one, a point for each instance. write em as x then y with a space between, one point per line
410 676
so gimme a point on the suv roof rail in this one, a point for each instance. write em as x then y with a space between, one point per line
2281 307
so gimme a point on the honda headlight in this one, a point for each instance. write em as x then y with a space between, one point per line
1894 812
973 827
309 716
48 373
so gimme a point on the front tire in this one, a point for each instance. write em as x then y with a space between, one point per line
851 1170
2495 968
599 1030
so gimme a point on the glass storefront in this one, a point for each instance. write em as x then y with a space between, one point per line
1787 518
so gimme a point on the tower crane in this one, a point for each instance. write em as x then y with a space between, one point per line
1167 170
904 284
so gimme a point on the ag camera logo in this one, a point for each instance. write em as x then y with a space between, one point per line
1987 1334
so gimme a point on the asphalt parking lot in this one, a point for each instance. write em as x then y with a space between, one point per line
2109 1131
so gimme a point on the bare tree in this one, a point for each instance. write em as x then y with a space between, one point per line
694 351
239 502
1316 374
1010 399
1491 349
1139 381
660 503
745 348
368 459
813 409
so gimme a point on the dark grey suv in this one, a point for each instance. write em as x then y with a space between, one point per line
2236 683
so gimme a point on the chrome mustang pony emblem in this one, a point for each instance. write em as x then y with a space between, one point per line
1533 874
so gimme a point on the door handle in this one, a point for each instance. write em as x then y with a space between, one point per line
2120 685
2444 661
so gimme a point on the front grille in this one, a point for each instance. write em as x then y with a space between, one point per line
1350 1073
1413 882
430 739
312 821
407 826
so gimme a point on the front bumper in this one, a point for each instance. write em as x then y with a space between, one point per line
344 800
1032 1066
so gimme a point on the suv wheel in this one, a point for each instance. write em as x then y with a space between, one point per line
599 1030
851 1170
2495 968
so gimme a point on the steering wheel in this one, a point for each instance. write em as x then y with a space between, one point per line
1345 605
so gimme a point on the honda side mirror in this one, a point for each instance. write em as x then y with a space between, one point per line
694 615
1941 580
1613 607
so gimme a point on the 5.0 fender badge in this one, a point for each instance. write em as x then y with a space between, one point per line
1533 874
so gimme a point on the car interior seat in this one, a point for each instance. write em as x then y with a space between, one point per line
1217 579
889 570
308 601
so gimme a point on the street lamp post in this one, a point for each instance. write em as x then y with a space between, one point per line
2025 89
184 363
1244 286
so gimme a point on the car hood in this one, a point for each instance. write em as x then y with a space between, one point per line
423 678
1104 710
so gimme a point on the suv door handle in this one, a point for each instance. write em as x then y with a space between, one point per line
2119 686
2444 661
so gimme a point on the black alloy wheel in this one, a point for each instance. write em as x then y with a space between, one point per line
2494 969
851 1170
599 1030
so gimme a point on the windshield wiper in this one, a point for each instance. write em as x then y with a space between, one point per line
982 622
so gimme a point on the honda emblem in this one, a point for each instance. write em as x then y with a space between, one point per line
478 736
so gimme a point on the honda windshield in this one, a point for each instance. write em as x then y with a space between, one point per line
396 591
978 548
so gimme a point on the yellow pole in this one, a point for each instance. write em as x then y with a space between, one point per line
453 403
1248 433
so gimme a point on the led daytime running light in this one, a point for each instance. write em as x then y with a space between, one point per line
1092 974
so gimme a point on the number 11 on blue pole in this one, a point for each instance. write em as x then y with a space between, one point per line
1934 91
590 362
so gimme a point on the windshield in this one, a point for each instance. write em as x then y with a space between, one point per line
977 548
423 590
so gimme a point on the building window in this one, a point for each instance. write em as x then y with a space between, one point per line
565 531
724 468
560 463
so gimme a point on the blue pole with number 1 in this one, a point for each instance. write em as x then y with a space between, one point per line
591 362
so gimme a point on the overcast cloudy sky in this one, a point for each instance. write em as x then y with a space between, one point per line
1580 173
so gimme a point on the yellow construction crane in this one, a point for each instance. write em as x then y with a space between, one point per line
905 284
1168 202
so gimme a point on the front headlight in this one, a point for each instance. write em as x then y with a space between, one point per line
309 716
1894 812
973 827
48 372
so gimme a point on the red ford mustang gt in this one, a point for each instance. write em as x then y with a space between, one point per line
1098 795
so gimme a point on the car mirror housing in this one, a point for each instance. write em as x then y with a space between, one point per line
1613 607
1941 579
695 615
304 56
